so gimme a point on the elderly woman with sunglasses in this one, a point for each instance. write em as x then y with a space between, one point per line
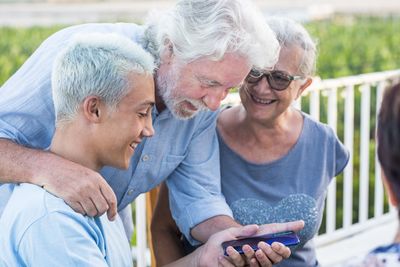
276 161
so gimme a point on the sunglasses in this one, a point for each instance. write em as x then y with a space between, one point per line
277 79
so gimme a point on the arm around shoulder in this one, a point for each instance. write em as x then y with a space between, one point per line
83 189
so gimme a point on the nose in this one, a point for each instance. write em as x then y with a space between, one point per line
214 97
148 129
263 84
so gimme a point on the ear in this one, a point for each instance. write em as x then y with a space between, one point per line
391 193
168 53
303 87
93 108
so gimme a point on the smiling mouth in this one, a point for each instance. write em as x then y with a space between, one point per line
190 106
133 145
262 101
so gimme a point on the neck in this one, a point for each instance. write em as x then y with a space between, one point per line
66 145
160 105
273 130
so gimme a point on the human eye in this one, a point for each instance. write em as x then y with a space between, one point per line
279 76
254 73
254 76
144 114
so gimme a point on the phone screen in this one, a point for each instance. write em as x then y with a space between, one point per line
287 238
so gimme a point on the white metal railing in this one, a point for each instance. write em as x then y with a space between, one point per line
346 87
340 93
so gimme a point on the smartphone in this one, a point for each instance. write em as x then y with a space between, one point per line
287 238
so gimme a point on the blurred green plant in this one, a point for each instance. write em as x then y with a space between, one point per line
350 45
17 44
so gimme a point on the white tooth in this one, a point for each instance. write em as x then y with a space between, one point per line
262 101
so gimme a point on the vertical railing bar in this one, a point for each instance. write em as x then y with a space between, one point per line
331 198
364 152
314 104
348 171
141 239
379 195
297 103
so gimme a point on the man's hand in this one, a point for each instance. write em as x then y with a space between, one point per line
212 254
266 255
81 188
271 228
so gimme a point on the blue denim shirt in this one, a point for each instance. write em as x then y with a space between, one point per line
184 151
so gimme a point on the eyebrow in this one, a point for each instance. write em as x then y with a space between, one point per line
147 103
208 81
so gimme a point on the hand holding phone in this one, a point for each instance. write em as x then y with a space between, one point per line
286 238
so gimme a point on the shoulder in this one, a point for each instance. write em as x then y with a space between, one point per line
127 29
29 204
319 133
318 128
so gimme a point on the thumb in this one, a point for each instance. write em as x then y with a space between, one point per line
245 231
236 233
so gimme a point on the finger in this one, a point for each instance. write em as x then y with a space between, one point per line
281 249
254 263
89 207
235 257
282 227
77 207
222 261
248 252
270 254
99 202
262 258
245 231
111 200
235 233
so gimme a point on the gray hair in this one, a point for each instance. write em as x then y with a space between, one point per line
95 64
212 28
289 33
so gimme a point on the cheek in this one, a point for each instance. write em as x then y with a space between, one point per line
136 127
188 89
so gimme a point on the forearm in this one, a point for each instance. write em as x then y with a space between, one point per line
190 260
83 189
19 164
167 247
204 230
166 241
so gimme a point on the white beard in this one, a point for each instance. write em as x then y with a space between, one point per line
166 85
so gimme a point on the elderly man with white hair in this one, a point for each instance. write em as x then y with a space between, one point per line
203 48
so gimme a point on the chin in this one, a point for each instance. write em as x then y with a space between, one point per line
123 165
182 113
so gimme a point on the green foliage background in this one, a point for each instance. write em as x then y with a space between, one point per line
348 45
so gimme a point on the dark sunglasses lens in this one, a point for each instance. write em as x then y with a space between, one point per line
254 76
279 80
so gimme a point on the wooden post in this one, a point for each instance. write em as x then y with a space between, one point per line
151 200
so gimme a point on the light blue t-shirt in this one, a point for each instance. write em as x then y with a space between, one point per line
39 229
184 151
290 188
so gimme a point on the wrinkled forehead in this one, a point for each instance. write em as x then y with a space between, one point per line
228 71
290 58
